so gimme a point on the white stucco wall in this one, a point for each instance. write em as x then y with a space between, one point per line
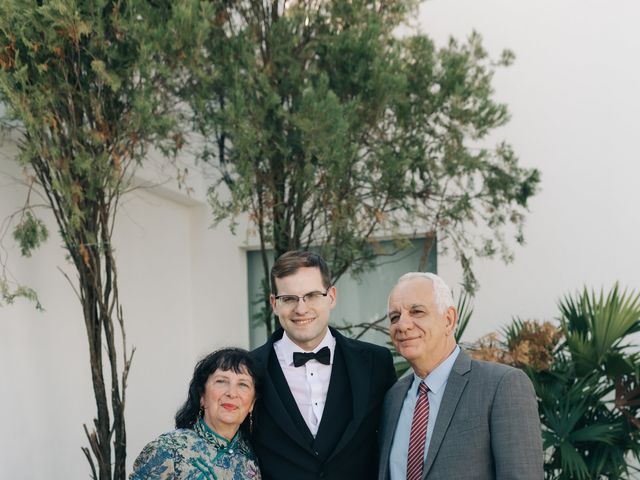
183 286
573 95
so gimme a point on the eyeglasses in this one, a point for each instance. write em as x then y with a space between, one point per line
310 299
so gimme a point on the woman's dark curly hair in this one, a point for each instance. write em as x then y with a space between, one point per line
235 359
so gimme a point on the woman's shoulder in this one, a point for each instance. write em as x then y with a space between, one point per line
172 440
159 457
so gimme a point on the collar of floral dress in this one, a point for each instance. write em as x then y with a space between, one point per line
209 435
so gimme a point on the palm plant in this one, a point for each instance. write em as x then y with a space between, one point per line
597 329
583 435
586 376
588 395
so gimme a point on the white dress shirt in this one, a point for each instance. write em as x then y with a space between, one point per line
436 381
308 383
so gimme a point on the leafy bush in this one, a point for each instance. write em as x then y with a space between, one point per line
586 376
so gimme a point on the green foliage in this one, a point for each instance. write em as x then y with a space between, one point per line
589 388
465 310
9 293
88 87
329 130
589 430
597 330
30 233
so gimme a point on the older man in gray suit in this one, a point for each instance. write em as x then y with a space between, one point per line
455 417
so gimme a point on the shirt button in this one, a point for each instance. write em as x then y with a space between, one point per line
317 453
231 451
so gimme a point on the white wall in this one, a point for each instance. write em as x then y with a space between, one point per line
573 94
177 308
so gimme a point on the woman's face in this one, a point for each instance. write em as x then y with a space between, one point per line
227 399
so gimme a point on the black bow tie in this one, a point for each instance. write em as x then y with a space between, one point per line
323 356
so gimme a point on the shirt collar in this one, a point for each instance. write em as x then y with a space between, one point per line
439 376
286 347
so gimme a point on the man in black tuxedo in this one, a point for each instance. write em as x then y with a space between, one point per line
321 395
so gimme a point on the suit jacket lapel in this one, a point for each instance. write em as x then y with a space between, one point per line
286 397
359 372
391 415
272 399
456 384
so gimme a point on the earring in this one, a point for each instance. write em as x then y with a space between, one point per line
201 413
251 421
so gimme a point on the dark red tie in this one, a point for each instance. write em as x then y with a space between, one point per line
418 436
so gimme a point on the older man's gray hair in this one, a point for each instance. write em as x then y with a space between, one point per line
442 293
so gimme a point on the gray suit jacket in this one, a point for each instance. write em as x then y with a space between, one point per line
487 427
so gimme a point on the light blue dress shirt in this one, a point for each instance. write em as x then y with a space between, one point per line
436 381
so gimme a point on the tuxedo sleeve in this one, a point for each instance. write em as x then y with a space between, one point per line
389 372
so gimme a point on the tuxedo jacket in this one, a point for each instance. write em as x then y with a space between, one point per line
487 426
345 446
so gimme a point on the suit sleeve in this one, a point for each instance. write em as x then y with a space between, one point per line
516 438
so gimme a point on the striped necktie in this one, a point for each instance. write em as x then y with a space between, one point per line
418 436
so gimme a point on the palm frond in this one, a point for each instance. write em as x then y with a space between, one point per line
605 433
595 325
573 465
465 310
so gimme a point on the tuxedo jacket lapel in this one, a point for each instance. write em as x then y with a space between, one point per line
359 371
456 384
282 389
345 447
338 409
272 399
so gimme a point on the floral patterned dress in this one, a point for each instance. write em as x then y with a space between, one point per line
198 454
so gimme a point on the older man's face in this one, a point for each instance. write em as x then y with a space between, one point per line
419 331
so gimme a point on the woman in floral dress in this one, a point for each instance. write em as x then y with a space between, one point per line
209 442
